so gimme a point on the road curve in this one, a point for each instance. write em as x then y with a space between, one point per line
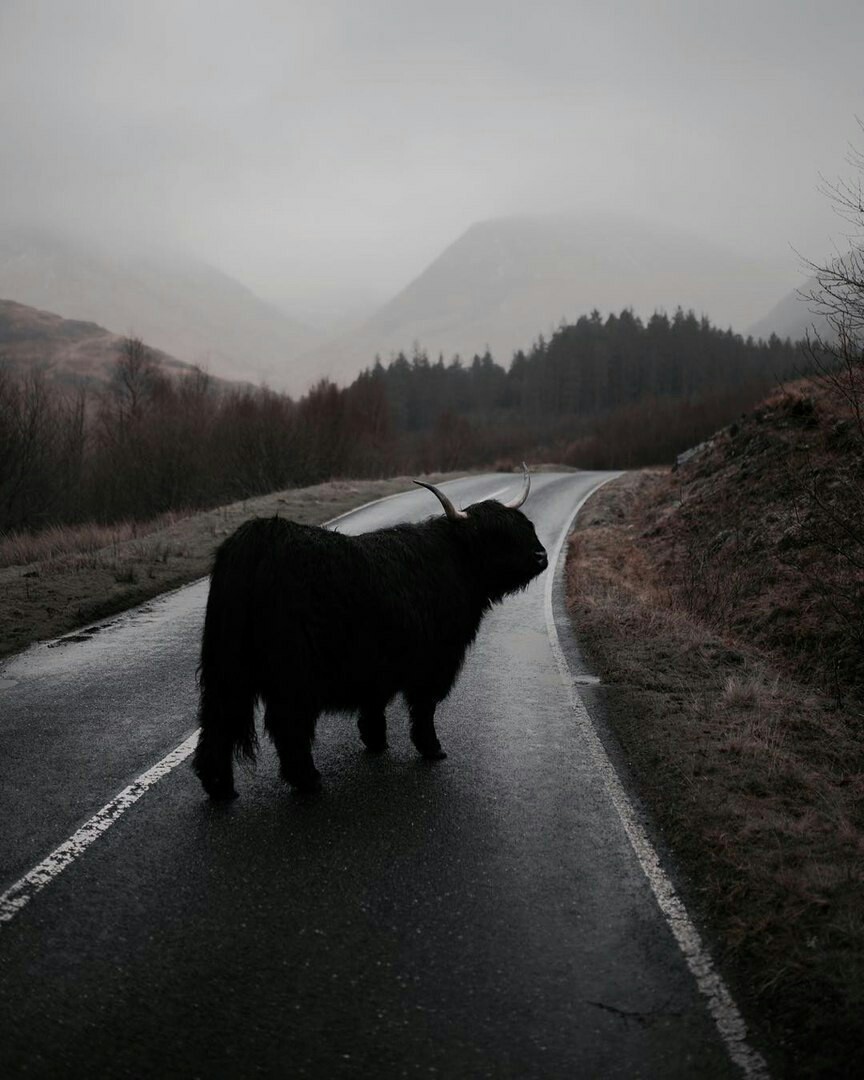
485 916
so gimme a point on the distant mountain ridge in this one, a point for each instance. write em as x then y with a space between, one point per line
507 280
500 285
795 316
184 307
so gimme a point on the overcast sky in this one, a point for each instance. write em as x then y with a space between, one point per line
327 149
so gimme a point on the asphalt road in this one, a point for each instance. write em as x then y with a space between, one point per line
484 916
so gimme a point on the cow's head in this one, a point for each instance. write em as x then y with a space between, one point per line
503 543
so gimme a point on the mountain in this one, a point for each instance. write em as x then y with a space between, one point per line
794 316
507 280
176 304
74 351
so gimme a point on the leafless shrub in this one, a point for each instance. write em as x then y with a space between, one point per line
828 492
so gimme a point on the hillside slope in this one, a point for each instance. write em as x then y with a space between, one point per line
506 280
72 350
771 511
184 307
723 606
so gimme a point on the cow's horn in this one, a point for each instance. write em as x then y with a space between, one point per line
449 509
526 487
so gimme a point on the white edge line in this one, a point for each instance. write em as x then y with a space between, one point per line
721 1005
20 894
410 491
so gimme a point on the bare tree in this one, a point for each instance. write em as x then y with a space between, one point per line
40 444
134 378
837 296
829 475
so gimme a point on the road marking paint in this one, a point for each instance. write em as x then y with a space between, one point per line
721 1005
366 505
22 892
398 495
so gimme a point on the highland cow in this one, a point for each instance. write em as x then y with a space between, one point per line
309 620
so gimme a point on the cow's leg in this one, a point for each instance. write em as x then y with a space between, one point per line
372 724
221 715
291 726
423 735
214 766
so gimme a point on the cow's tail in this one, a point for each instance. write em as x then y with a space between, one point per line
226 674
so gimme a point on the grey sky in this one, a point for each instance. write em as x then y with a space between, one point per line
327 149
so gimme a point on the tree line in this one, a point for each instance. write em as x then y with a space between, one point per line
600 393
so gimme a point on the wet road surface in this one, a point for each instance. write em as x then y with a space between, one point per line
484 916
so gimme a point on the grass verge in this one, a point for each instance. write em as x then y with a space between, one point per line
755 779
66 577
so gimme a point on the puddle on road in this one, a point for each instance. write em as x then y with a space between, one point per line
81 635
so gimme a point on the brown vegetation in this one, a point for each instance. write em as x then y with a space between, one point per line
76 353
761 534
151 444
613 392
722 604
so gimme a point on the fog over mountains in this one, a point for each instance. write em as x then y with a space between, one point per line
507 280
795 315
177 304
499 285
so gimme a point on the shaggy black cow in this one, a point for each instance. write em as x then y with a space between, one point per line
308 620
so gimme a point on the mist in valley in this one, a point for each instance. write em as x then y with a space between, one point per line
272 191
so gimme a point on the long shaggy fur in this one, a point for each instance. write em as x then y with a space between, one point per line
308 620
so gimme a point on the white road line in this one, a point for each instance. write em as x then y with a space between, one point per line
730 1024
495 494
399 494
20 894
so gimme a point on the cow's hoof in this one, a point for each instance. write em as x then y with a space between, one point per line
219 790
375 746
305 782
432 753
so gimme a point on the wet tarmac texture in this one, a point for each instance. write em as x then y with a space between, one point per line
482 916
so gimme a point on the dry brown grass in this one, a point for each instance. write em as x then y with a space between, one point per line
59 541
762 536
755 778
56 581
